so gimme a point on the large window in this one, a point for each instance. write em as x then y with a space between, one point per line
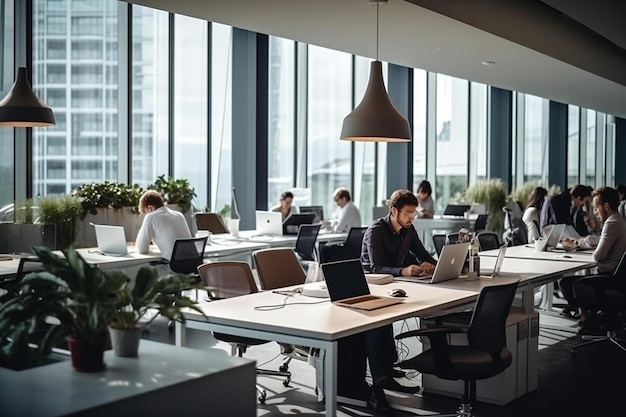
282 116
573 145
536 139
478 132
420 102
590 145
329 101
452 138
6 81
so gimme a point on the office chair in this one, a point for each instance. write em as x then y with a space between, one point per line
187 255
488 240
278 268
24 267
480 224
350 249
232 279
306 241
439 241
605 293
484 356
452 238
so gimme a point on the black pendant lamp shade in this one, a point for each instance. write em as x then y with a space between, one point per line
22 108
376 119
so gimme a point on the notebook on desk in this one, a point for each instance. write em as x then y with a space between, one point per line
448 266
111 240
347 286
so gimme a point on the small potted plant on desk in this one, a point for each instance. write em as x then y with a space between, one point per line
140 303
68 299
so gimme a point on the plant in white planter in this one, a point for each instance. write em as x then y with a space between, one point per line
140 303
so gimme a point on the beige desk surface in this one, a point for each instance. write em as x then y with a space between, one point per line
529 252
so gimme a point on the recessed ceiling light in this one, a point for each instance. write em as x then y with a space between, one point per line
488 63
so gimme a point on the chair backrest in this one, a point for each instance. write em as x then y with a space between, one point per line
487 327
307 238
187 255
481 223
278 267
620 271
452 238
352 245
488 240
439 241
228 278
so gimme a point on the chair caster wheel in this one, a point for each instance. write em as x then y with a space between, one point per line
262 397
283 368
286 382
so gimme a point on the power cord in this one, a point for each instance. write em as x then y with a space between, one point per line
288 294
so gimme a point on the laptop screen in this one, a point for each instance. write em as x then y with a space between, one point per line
111 239
345 279
317 210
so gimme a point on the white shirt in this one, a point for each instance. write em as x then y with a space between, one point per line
349 216
531 220
162 226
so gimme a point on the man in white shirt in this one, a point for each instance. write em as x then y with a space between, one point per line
160 225
348 214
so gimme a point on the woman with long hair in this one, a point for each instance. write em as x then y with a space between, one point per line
533 211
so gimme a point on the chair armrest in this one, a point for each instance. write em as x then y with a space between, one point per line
438 342
590 291
461 318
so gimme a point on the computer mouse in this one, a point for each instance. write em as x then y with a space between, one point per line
397 292
566 256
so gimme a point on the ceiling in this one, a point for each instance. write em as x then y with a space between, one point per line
568 51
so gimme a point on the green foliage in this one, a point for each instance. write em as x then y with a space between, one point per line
491 193
107 194
70 292
225 211
25 212
175 191
522 193
62 212
151 292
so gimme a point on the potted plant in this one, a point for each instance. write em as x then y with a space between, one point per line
175 191
61 211
140 303
492 193
80 301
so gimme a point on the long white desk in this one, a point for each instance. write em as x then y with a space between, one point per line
281 240
529 252
318 323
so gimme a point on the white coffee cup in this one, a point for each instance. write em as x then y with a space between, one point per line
233 227
540 243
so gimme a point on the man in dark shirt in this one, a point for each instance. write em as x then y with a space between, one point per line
391 246
567 208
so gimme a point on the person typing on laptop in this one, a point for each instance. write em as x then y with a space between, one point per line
160 225
391 246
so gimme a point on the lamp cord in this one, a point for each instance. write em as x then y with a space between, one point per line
377 4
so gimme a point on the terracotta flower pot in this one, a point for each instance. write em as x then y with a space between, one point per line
87 355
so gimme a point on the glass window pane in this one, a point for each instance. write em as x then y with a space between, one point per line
573 145
6 81
420 96
221 115
590 173
191 98
86 128
329 101
149 84
478 132
452 138
536 139
281 109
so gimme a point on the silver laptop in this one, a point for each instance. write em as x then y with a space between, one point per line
347 286
111 240
448 267
269 223
554 236
498 266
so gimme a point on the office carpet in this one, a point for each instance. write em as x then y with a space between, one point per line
588 383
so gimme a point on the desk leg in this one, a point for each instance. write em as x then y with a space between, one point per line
181 334
330 379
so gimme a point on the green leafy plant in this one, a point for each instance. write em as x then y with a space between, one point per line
175 191
491 193
137 303
61 211
80 299
25 212
107 194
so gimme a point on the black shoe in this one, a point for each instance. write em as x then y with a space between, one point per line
397 373
377 399
393 385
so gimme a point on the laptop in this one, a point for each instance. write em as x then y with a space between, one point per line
111 240
499 261
456 210
449 265
553 237
347 286
317 210
291 225
269 223
212 222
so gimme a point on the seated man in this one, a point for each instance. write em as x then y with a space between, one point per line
567 208
391 246
348 214
611 244
161 225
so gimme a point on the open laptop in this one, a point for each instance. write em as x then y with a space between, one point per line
269 223
456 210
553 237
347 286
212 222
498 266
111 240
291 225
317 210
449 265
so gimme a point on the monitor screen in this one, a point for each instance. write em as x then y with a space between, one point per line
318 210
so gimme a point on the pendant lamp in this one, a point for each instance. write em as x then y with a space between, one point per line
22 108
376 119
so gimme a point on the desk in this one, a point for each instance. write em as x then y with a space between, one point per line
425 228
282 240
529 252
317 323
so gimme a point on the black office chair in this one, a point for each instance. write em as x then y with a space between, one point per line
605 294
484 356
480 225
25 266
452 238
306 241
488 240
187 255
439 241
353 243
233 279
